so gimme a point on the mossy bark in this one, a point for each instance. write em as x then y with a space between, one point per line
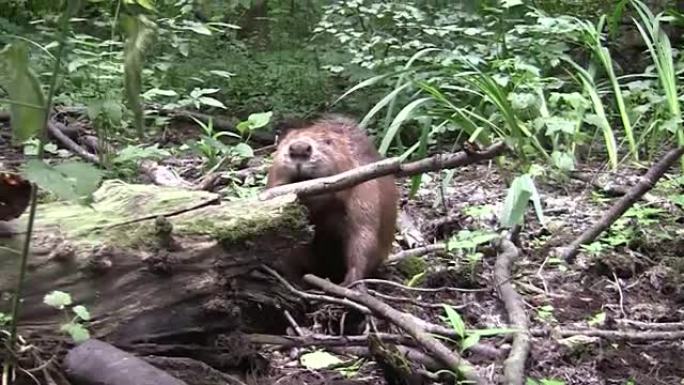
191 273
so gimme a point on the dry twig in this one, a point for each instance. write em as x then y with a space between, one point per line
384 167
405 321
417 252
514 366
645 183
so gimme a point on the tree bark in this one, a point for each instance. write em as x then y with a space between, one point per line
150 271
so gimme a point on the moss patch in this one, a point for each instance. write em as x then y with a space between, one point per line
117 202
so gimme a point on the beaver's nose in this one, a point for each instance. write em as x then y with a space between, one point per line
300 150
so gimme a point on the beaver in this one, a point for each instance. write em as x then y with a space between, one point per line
353 228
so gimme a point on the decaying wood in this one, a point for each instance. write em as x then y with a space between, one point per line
96 362
138 290
623 204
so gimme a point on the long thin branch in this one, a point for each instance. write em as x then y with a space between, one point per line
405 321
623 204
384 167
514 366
417 252
71 145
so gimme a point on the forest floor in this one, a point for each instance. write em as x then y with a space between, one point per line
636 275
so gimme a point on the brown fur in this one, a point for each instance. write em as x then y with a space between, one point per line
354 228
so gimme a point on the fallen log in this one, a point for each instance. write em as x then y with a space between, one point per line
179 275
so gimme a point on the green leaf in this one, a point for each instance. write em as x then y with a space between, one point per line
598 319
24 89
209 101
563 160
318 360
77 332
57 299
73 181
455 320
515 205
82 312
243 150
145 4
470 341
259 120
223 74
511 3
112 110
196 27
401 117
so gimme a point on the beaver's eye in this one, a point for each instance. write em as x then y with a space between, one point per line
329 142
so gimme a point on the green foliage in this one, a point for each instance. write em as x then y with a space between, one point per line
521 192
27 99
543 381
73 181
215 153
468 338
74 327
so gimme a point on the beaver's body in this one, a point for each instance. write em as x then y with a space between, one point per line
354 228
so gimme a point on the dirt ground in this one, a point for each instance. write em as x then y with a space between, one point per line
639 279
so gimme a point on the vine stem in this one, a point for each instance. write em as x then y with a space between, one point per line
16 303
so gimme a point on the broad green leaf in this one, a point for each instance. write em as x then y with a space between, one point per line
243 150
259 120
112 110
82 312
77 332
516 202
209 101
455 320
156 91
135 153
57 299
24 89
86 177
224 74
319 360
146 4
72 181
401 117
511 3
563 160
196 27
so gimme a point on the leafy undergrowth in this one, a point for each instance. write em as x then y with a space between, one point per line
635 273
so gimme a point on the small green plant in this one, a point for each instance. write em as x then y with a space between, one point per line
468 337
4 319
215 152
543 381
597 320
545 313
126 161
594 249
212 150
521 192
468 242
73 325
